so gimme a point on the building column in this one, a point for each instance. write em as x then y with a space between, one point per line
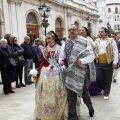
14 16
1 29
69 15
65 23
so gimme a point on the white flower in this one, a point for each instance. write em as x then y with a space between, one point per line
33 72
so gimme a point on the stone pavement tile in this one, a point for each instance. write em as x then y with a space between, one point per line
30 118
100 118
5 116
111 106
115 118
20 106
84 117
117 112
17 106
19 117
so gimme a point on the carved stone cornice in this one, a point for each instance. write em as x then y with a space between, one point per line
18 2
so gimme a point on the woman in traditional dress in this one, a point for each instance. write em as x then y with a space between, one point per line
50 96
85 33
94 88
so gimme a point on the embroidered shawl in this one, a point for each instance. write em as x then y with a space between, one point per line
75 79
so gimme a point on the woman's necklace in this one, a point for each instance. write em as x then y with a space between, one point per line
51 50
52 46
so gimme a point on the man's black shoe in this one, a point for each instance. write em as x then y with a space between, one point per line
6 93
18 86
114 80
22 85
28 83
11 91
91 112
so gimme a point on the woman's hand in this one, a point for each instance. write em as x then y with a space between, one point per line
62 63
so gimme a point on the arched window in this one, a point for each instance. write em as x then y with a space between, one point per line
115 18
32 27
77 25
115 27
58 22
109 10
109 19
31 19
116 9
58 27
118 18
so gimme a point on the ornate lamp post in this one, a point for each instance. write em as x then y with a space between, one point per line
89 24
45 13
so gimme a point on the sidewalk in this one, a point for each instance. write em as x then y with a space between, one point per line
20 105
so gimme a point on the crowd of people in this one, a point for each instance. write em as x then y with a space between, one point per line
23 55
63 74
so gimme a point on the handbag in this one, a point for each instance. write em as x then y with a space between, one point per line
20 60
12 62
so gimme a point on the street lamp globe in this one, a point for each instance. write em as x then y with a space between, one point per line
44 7
40 10
44 11
48 12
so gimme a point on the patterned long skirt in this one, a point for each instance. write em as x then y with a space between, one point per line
50 95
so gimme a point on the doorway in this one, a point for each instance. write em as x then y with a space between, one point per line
32 32
59 28
32 27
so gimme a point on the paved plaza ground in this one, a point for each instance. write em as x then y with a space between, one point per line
20 105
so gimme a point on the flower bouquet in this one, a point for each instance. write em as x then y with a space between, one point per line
82 54
34 74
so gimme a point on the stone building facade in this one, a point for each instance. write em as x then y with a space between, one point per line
113 14
21 17
109 12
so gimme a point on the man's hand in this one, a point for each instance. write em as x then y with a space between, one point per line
62 63
114 65
77 62
64 68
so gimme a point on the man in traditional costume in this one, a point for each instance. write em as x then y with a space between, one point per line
77 81
107 51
